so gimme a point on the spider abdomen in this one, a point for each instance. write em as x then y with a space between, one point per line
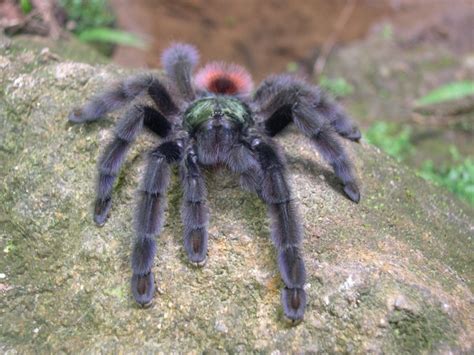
217 111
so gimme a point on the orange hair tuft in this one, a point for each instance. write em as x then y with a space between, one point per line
222 78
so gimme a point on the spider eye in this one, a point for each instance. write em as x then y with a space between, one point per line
225 79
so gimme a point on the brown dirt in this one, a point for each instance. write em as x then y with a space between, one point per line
266 36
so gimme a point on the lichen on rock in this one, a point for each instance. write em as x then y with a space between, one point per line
391 274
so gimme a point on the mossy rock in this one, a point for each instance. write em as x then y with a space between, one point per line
391 274
390 74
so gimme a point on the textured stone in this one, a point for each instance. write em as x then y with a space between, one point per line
391 274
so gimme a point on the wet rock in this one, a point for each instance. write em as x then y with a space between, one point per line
380 273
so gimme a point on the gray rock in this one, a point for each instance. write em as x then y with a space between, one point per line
391 274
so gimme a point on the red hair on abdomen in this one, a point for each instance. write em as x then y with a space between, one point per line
222 78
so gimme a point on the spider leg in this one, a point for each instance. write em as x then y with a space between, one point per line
149 218
179 61
242 161
341 122
284 99
286 227
194 211
122 94
113 157
325 139
332 151
283 91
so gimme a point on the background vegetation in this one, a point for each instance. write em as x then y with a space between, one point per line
396 139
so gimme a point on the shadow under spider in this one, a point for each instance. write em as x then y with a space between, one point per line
311 168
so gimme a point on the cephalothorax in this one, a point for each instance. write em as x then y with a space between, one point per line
216 107
214 118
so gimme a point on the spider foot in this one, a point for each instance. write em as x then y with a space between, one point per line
196 247
354 135
352 191
143 289
101 211
76 115
200 263
294 303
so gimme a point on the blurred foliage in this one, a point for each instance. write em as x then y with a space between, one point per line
88 14
452 91
395 140
458 178
25 6
339 87
93 22
391 138
108 35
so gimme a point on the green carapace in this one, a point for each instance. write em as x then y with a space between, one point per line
203 110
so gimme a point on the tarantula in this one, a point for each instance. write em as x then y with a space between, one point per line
213 118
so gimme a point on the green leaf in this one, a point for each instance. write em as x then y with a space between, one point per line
108 35
87 14
452 91
25 6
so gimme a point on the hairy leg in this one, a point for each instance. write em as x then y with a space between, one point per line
286 228
242 161
126 131
332 151
122 94
284 99
341 122
149 218
179 61
194 211
279 95
326 141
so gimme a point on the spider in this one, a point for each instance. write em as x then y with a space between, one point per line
214 118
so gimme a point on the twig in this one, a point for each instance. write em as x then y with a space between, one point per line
328 46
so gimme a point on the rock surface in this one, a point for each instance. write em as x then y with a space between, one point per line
391 274
389 73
